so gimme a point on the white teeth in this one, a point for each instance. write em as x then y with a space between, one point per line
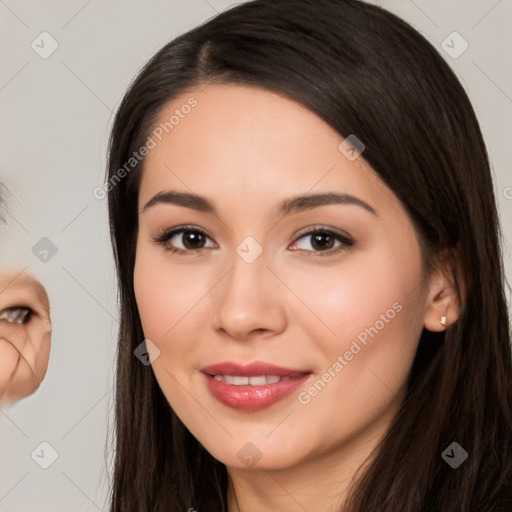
259 380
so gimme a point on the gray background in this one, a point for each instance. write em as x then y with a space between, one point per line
55 119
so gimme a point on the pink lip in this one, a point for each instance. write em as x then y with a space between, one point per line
252 397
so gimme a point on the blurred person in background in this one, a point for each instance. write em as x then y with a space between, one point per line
25 328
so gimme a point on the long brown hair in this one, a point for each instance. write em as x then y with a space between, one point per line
363 71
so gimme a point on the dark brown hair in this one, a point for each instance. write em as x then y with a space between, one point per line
365 72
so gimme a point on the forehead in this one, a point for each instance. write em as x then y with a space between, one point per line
250 148
239 121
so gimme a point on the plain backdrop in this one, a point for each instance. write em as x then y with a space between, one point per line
56 112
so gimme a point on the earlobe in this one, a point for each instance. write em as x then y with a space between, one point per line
444 304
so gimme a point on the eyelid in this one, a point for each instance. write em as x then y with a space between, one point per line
13 314
26 297
320 227
166 234
346 240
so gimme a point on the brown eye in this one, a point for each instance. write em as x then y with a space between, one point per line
192 239
322 241
16 314
325 242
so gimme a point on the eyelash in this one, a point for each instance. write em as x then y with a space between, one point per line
14 313
346 241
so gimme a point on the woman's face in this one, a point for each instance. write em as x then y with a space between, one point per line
338 313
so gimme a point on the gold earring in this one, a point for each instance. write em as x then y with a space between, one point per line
443 320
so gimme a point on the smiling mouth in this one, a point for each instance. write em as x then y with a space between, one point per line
252 386
258 380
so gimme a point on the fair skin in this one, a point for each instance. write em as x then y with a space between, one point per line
246 150
25 334
25 325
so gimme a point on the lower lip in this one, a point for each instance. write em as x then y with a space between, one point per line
252 398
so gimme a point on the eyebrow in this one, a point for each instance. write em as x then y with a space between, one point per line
287 207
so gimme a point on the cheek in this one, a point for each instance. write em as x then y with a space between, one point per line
41 349
22 366
367 291
167 299
375 311
8 359
373 307
169 304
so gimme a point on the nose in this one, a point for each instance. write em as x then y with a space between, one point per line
250 301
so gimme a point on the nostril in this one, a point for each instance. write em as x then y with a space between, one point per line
16 314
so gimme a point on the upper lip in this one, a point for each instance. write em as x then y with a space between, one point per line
251 369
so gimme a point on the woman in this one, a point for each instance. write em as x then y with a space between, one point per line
307 248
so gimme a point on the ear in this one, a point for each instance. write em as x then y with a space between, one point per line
445 297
